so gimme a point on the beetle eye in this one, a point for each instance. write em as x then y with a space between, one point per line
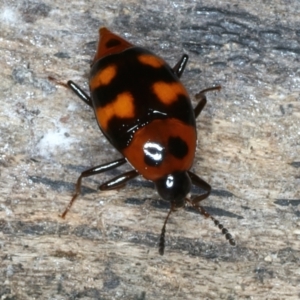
153 154
174 187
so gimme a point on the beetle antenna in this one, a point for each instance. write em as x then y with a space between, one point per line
223 229
162 235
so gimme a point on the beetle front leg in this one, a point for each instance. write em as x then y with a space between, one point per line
118 181
195 203
196 180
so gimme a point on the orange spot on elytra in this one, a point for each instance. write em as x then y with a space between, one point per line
104 77
168 92
122 107
148 59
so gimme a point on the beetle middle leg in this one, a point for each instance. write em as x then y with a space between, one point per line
201 96
90 172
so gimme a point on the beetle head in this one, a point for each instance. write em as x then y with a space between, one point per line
174 187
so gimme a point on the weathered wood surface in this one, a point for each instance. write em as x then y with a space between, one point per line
248 151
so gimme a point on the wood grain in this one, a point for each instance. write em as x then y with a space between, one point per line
248 150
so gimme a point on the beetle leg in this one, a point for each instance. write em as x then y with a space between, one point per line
118 181
201 96
91 172
180 66
80 93
196 180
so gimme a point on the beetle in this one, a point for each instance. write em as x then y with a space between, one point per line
145 112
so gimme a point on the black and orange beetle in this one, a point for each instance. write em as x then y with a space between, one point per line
145 112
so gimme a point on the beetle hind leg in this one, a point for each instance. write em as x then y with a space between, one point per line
76 89
180 66
80 93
